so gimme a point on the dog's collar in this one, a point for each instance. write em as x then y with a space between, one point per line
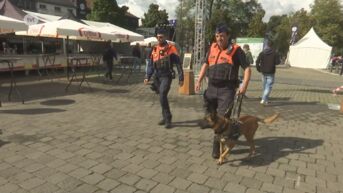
221 129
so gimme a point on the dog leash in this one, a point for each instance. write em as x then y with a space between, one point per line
236 107
239 103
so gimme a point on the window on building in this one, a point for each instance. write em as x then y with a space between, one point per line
42 6
57 9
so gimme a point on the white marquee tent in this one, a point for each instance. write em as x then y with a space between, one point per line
123 34
310 52
65 27
9 25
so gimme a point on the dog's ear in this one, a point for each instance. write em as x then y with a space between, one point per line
219 123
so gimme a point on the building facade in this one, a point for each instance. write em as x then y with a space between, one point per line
53 7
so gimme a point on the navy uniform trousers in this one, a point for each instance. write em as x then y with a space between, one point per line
218 99
163 83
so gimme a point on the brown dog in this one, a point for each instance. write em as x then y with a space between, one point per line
225 129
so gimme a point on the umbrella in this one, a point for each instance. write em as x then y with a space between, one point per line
146 41
65 27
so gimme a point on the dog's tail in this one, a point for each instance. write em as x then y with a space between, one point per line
270 119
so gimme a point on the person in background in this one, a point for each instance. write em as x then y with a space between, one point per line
266 64
136 52
250 61
147 51
108 57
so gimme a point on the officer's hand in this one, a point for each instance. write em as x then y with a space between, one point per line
146 81
180 83
241 90
197 86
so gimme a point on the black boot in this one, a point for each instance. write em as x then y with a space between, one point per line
167 124
162 122
203 123
216 147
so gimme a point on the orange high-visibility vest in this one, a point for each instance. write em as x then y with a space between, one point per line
221 66
159 52
219 56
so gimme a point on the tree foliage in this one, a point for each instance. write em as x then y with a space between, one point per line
109 11
256 27
238 15
245 19
328 17
154 16
185 13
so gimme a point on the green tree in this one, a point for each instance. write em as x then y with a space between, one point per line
328 18
109 11
154 16
303 20
282 35
185 13
256 27
235 13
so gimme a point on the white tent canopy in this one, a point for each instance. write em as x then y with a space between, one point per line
123 34
146 41
9 25
310 52
65 27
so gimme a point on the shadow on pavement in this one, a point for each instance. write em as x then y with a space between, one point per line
190 123
270 149
282 103
44 90
2 143
57 102
19 138
34 111
117 91
136 77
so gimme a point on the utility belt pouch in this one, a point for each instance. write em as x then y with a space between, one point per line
172 73
221 72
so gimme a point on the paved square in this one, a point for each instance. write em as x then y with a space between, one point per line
108 140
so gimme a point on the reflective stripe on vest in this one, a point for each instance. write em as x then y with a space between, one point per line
160 52
218 56
161 56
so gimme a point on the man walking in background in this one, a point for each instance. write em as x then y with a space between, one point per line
107 57
266 64
136 52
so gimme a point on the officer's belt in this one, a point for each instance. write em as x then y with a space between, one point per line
221 84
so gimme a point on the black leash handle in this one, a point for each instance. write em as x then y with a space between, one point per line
236 106
239 101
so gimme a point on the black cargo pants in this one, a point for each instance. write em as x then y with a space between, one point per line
163 83
218 99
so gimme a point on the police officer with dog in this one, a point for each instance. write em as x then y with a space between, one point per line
222 64
163 57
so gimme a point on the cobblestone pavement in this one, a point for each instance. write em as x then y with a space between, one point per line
107 140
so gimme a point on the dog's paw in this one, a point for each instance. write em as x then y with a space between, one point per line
251 154
220 161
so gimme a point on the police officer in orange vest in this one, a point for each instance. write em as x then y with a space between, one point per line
163 57
222 64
